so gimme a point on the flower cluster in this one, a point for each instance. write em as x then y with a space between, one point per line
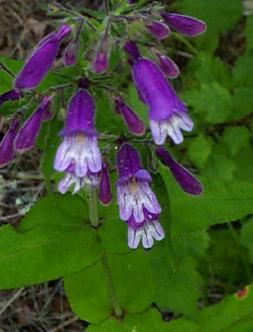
78 156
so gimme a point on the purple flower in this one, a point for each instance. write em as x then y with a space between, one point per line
158 30
79 149
7 144
10 95
105 193
167 113
70 53
134 124
41 60
131 48
29 132
184 178
168 66
138 205
187 25
100 62
70 178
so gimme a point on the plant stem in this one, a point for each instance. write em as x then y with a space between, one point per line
187 43
107 7
93 202
111 290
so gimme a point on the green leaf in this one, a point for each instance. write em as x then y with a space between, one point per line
249 33
222 201
148 321
132 281
235 139
243 71
232 310
247 236
53 240
242 102
211 102
199 150
208 69
219 16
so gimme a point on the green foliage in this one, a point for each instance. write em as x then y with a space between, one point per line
207 253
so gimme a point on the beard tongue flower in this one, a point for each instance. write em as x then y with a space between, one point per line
29 132
78 153
186 25
167 113
134 124
132 50
158 30
138 205
41 60
100 62
183 177
105 193
7 144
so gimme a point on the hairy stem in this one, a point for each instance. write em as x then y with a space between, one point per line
111 290
93 202
107 7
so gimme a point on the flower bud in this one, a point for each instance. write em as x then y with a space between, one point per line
158 30
71 53
7 144
168 66
105 193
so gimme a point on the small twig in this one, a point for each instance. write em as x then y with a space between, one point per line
67 323
11 300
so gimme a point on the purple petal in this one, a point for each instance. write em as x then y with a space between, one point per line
156 91
128 161
41 60
184 178
168 66
10 95
29 132
100 63
158 30
80 117
187 25
7 144
134 124
105 193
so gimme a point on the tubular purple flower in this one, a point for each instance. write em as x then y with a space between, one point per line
29 132
7 144
105 193
168 66
70 53
138 205
131 48
10 95
91 180
158 30
41 60
167 113
79 146
186 25
134 124
184 178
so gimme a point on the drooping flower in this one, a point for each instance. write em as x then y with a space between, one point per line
105 193
100 62
184 178
159 30
79 148
29 132
168 66
138 205
186 25
134 124
70 178
70 53
41 60
10 95
167 113
7 144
